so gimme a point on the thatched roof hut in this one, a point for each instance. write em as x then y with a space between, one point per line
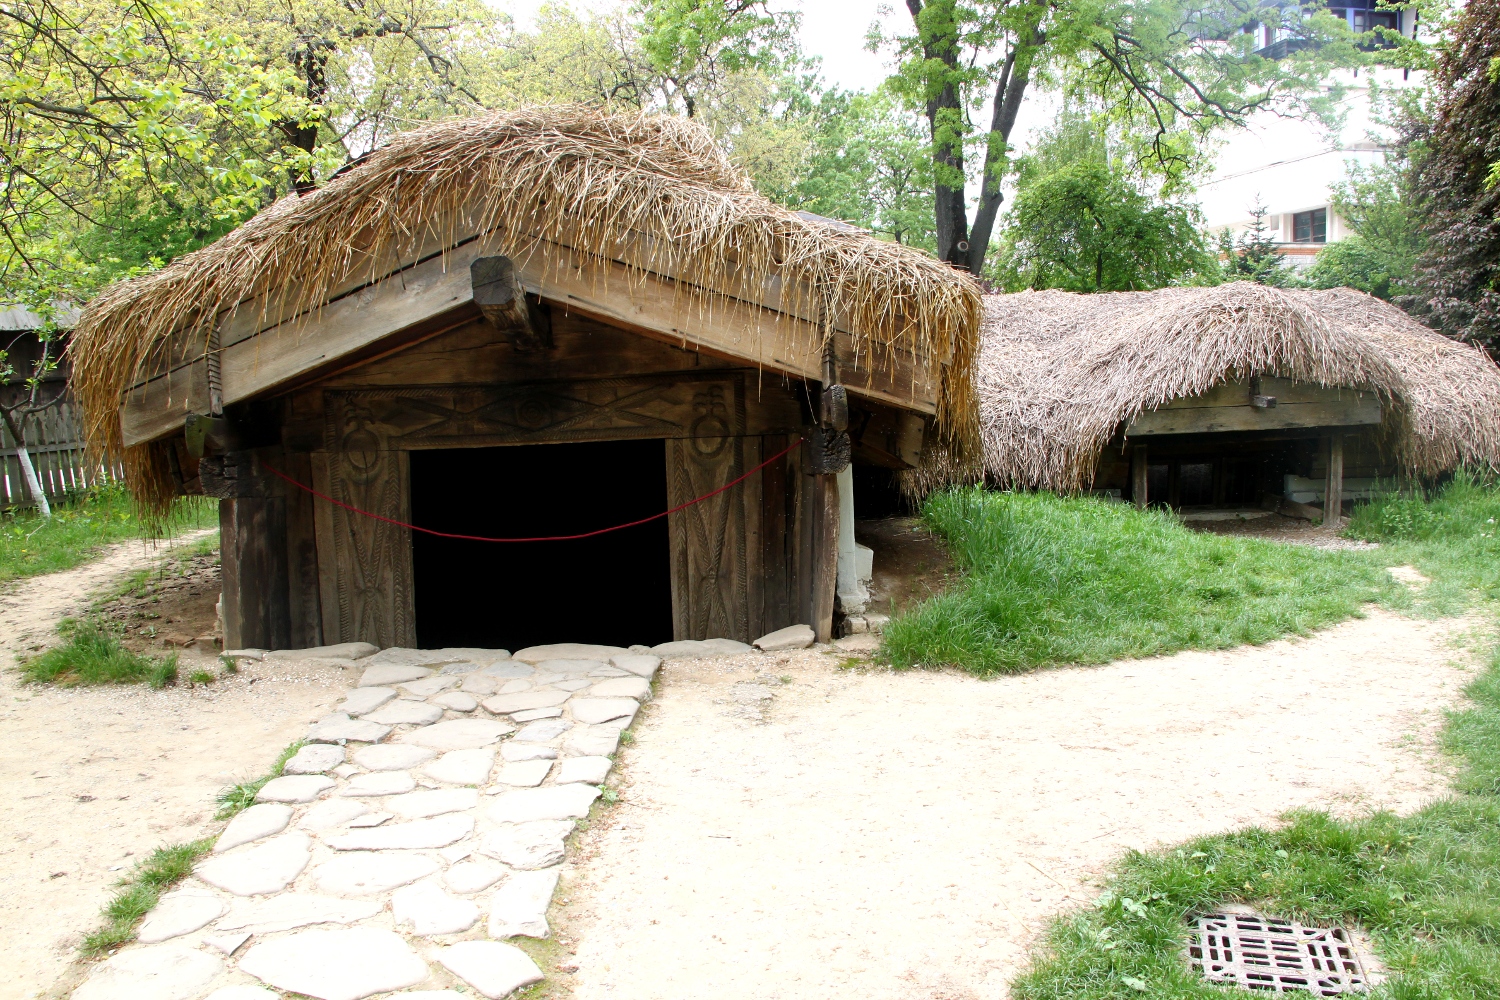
529 274
1067 381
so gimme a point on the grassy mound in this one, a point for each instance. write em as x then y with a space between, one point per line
92 654
1053 580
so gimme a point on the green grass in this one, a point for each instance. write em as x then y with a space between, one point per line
91 654
139 892
79 527
237 798
1052 580
1426 887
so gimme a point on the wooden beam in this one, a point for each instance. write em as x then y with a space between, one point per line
284 355
1352 412
1333 490
499 295
1140 477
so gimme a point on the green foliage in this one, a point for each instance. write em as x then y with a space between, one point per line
1380 257
237 798
91 654
79 527
1253 256
692 45
139 892
1352 263
1053 580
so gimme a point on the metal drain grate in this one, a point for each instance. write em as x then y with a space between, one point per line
1258 953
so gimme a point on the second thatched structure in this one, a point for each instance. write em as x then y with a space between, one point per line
1236 395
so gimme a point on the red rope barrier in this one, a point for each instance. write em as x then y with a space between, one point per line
555 538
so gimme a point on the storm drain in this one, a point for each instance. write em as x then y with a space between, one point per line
1258 953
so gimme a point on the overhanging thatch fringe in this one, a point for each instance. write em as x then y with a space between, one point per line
1060 373
601 178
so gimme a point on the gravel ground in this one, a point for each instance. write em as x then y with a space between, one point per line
791 828
91 779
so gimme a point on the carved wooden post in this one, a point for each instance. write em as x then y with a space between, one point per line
1139 480
1333 487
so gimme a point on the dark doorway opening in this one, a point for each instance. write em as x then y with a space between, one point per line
614 589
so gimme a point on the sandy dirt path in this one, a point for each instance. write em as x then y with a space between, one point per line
848 833
92 779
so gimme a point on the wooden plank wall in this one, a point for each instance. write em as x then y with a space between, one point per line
55 443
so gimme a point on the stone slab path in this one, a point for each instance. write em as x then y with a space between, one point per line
420 831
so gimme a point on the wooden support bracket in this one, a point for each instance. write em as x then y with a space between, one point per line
499 295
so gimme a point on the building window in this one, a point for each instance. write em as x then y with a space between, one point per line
1310 227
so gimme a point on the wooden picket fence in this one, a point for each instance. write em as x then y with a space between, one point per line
54 439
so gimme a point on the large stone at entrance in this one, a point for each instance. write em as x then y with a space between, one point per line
689 648
366 874
458 734
791 637
338 651
165 972
555 802
519 907
494 969
337 964
265 868
567 651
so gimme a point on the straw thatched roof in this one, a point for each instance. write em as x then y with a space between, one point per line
654 191
1060 373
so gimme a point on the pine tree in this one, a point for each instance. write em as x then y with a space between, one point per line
1254 256
1456 287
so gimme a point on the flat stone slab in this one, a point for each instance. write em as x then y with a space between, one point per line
589 770
508 669
290 910
569 668
264 868
369 820
339 728
592 741
791 637
255 823
392 757
434 802
597 710
572 684
400 656
332 813
479 684
315 758
162 972
462 767
543 730
521 701
567 651
531 715
622 687
458 734
405 713
361 700
424 908
294 788
381 675
423 833
228 944
512 751
379 783
528 846
473 876
345 964
689 648
242 992
456 701
338 651
641 664
519 906
494 969
249 653
180 913
367 874
524 773
554 802
429 686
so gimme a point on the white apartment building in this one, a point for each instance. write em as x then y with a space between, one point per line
1290 165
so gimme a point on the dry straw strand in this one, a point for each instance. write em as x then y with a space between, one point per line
653 192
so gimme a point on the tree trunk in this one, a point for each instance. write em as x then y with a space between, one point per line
28 471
